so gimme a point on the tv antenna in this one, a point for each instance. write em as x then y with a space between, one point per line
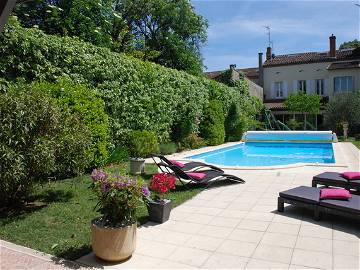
268 30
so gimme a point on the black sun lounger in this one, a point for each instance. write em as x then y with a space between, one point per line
334 179
188 166
309 197
209 176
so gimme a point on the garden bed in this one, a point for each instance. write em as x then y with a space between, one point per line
57 221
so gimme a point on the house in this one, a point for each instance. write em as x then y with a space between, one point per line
251 76
324 73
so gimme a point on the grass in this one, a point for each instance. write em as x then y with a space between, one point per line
352 140
57 221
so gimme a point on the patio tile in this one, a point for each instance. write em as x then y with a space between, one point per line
191 256
225 222
225 261
316 231
177 215
284 228
260 216
311 259
232 213
279 239
170 237
154 249
263 208
215 231
204 242
259 264
345 236
273 253
285 218
185 227
349 248
246 235
254 225
240 206
198 218
346 262
165 264
208 211
239 248
314 244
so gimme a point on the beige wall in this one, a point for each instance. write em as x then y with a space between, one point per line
310 72
255 90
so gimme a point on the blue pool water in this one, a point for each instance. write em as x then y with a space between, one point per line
269 154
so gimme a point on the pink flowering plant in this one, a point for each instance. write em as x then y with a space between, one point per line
161 183
119 196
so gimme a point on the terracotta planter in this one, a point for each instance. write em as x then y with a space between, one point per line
137 165
113 244
159 211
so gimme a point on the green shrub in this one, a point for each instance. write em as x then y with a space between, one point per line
212 127
138 95
167 148
294 124
37 141
85 102
118 154
142 143
235 124
357 137
193 141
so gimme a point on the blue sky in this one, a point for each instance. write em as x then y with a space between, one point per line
236 33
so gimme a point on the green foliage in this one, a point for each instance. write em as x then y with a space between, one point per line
301 102
138 95
167 32
212 126
37 141
341 109
119 154
235 124
294 124
193 141
357 137
142 143
350 44
167 148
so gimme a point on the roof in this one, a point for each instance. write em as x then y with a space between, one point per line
251 73
275 105
312 57
344 65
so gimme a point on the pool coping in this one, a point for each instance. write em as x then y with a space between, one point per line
338 153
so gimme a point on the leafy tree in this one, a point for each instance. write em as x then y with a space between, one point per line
350 44
167 32
212 127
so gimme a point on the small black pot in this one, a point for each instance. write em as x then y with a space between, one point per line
159 211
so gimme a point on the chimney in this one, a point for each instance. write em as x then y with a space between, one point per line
268 53
232 66
332 41
261 70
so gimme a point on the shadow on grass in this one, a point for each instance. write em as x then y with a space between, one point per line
72 253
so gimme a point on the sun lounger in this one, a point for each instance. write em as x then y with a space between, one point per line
309 197
202 177
334 179
186 166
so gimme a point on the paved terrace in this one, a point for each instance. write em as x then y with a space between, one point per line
237 226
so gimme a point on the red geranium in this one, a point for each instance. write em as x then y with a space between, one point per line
162 182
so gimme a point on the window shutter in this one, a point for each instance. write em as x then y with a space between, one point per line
285 89
295 86
326 87
272 90
310 89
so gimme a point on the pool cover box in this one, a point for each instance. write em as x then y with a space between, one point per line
307 136
309 197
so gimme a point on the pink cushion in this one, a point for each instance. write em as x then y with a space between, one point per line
351 175
196 175
334 193
177 163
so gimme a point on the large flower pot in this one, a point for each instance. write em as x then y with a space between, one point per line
137 165
113 244
159 211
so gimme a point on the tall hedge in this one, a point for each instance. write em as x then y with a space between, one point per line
138 95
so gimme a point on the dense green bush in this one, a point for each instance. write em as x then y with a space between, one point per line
142 143
357 137
167 148
37 141
193 141
119 154
85 102
212 126
138 95
235 124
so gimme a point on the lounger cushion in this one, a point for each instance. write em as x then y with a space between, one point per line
196 175
334 193
351 175
304 194
177 163
331 178
352 205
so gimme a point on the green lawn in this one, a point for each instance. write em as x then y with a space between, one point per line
58 219
357 144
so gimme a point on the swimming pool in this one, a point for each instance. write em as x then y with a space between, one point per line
252 154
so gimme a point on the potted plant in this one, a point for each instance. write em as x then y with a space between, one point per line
114 233
159 208
141 144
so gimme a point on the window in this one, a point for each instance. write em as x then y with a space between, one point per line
302 86
279 89
344 83
320 86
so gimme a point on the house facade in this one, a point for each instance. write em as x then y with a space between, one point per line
323 73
